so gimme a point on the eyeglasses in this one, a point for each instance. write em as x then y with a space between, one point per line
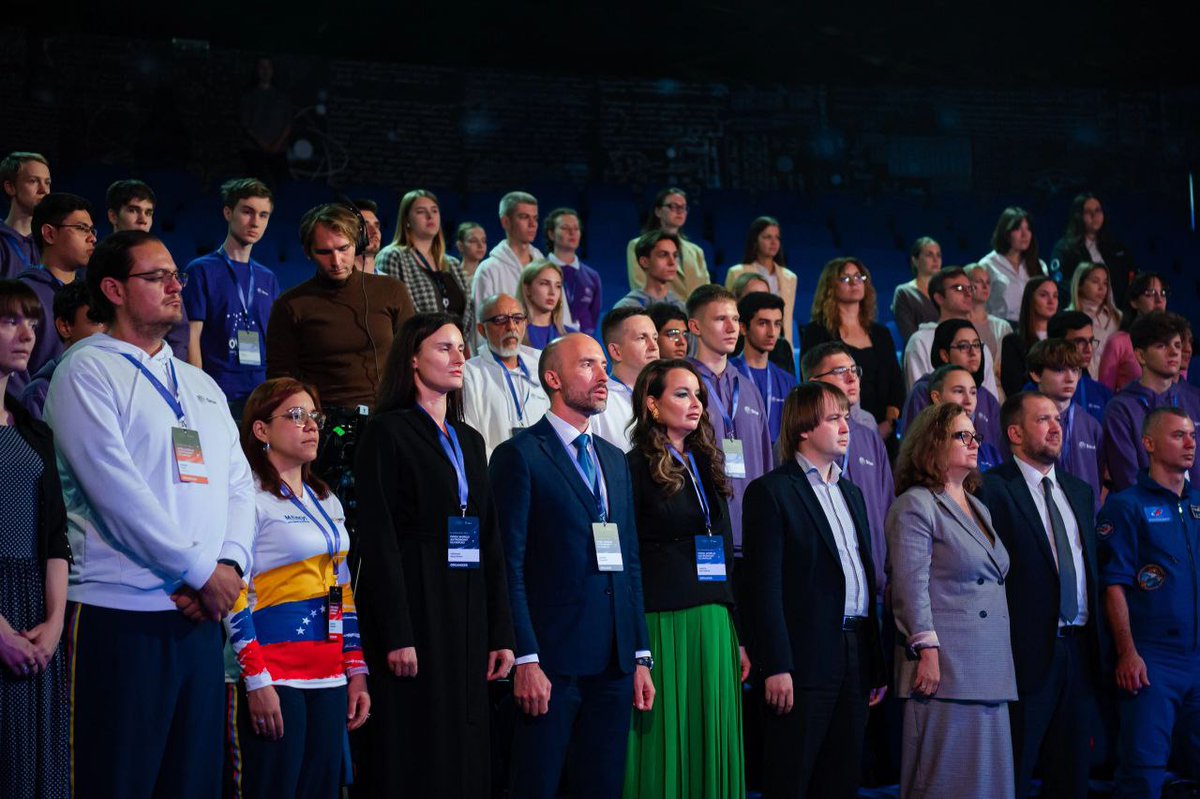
159 275
1084 343
679 208
674 335
961 288
966 437
1153 293
967 346
87 230
300 417
499 320
856 278
846 374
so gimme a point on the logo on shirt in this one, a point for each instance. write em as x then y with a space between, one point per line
209 400
1157 514
1104 529
1151 577
865 462
751 411
1086 445
294 518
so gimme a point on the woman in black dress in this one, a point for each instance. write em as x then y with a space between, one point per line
33 577
432 596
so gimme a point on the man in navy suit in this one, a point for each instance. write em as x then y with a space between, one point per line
1046 519
575 584
811 591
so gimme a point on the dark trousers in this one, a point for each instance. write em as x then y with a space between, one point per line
306 762
147 700
815 751
1053 726
586 730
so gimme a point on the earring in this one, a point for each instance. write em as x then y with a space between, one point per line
267 447
655 414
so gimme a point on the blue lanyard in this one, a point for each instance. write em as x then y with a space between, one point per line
333 539
700 495
171 398
18 246
450 446
512 388
1145 403
727 415
246 300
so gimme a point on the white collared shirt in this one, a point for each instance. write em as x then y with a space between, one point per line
1033 480
613 424
841 522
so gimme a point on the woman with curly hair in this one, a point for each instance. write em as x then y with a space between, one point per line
690 742
843 310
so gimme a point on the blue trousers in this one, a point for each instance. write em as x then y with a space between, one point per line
1148 723
147 704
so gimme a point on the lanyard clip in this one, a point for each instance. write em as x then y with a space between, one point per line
463 510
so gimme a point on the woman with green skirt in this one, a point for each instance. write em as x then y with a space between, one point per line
690 744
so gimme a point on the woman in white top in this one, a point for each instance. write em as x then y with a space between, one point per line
764 255
1012 261
1091 292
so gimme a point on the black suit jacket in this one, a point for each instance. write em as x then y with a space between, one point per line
794 580
1032 583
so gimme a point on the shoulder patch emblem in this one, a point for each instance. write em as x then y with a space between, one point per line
1151 577
1104 529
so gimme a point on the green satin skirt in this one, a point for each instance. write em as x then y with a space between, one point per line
689 746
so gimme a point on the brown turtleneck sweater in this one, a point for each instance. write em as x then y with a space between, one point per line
336 336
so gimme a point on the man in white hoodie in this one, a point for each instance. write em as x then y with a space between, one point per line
160 503
500 272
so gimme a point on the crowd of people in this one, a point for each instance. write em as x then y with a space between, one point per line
441 526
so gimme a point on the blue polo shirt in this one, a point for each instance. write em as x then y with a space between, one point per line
230 296
773 385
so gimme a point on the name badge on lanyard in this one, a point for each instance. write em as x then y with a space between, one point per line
735 457
334 609
608 547
249 348
248 341
731 445
185 443
710 559
463 538
334 613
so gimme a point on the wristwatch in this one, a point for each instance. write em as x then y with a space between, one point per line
233 564
646 661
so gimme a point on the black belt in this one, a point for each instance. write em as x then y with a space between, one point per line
1070 630
853 624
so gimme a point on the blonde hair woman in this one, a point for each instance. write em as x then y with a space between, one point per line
542 301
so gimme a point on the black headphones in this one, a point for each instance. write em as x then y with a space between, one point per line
364 241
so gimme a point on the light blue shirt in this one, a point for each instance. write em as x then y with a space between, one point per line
841 521
567 434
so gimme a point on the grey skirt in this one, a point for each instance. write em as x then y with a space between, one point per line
957 749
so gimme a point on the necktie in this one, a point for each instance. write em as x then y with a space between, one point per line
1068 603
589 468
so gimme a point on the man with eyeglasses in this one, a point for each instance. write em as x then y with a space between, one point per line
501 392
1076 327
25 178
160 505
672 329
762 329
951 291
63 231
1157 339
657 254
229 296
631 342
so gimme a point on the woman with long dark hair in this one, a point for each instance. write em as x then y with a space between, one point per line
432 589
1039 303
670 213
1012 262
1088 240
690 743
294 628
763 255
1118 365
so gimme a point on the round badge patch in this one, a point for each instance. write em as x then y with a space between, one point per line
1104 529
1151 577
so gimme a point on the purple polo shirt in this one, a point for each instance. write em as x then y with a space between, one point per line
581 289
750 427
1123 452
867 466
17 253
1083 441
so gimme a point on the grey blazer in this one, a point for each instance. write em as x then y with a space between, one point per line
948 579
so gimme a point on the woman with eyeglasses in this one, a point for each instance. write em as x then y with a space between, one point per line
954 663
34 554
670 213
1039 304
956 343
432 591
1012 262
294 628
1092 293
1118 365
843 310
1089 240
690 743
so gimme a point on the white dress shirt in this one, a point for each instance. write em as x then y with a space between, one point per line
1033 479
841 521
613 424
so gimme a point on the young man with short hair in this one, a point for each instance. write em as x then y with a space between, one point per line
65 237
581 284
735 408
672 326
370 214
631 342
657 254
1157 339
229 296
951 291
25 178
1076 327
762 327
1056 366
71 324
500 272
130 205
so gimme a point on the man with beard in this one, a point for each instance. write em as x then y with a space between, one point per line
632 342
160 503
1046 519
501 392
575 585
365 261
229 296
